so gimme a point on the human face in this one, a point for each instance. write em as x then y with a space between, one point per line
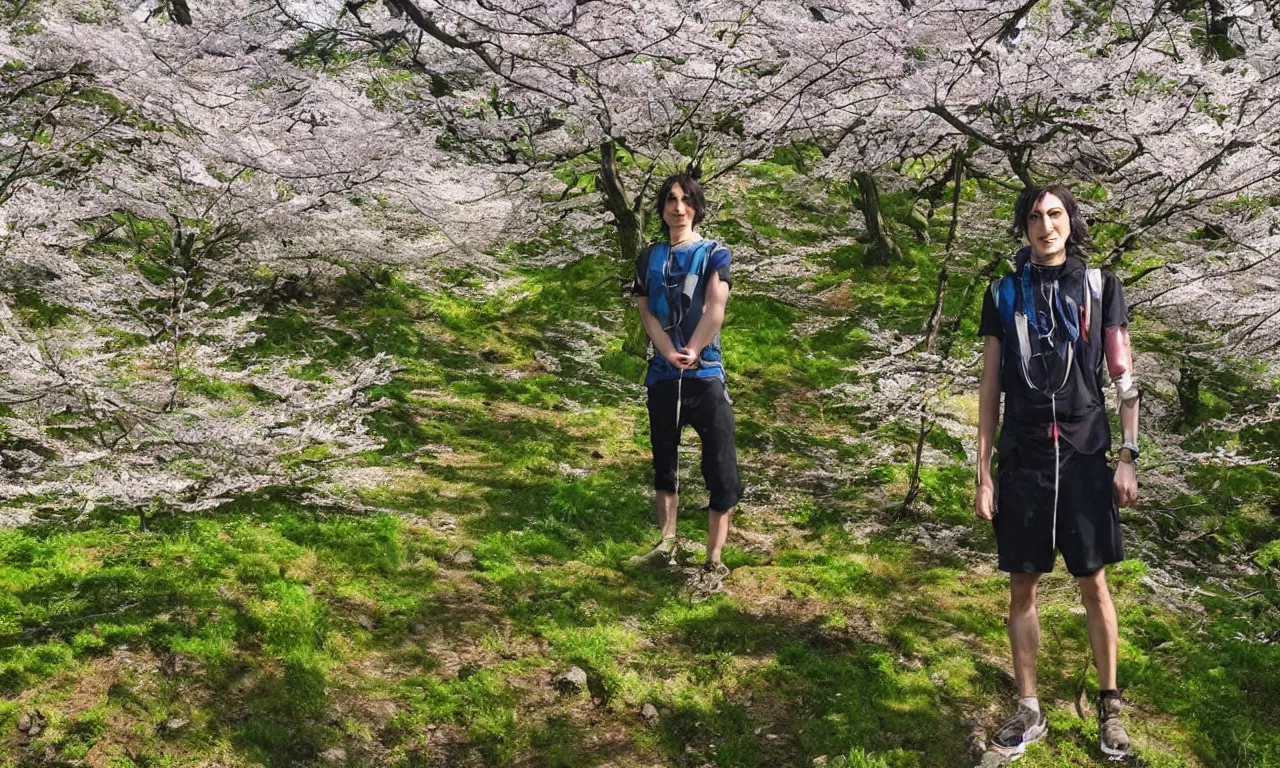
678 212
1048 228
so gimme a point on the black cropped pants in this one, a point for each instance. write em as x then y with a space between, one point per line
704 405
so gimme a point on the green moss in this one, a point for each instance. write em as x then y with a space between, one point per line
37 311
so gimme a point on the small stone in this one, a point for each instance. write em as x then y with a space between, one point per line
976 739
24 722
334 756
821 760
418 630
176 723
571 681
365 622
650 714
463 557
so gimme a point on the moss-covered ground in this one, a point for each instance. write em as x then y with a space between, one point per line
492 553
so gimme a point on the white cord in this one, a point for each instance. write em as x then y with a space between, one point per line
679 398
1053 400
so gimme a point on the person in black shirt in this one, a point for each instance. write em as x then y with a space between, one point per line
1051 332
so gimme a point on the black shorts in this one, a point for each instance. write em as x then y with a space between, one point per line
1088 520
705 407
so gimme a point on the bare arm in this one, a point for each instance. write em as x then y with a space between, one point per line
1119 354
988 416
713 304
661 342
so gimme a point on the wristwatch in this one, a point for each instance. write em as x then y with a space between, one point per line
1129 453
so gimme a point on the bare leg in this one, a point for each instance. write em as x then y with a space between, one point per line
1024 630
1100 614
717 532
667 503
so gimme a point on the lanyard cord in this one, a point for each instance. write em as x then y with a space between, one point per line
1057 465
679 400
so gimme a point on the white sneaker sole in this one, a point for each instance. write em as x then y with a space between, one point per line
1033 735
1114 755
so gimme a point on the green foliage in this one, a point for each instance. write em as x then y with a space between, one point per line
515 486
38 312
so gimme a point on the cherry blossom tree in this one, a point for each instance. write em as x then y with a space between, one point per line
161 185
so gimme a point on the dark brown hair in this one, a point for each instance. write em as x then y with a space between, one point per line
1078 241
693 195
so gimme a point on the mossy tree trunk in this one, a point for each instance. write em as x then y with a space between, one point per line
625 220
629 227
880 246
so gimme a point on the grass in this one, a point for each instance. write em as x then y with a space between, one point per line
428 632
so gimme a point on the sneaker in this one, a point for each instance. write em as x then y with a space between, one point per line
663 554
1111 734
1023 727
705 580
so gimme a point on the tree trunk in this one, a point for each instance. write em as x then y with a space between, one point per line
179 12
1188 397
913 490
630 244
1218 31
934 326
880 249
625 220
980 278
957 179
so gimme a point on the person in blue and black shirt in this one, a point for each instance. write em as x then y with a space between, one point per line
681 289
1054 332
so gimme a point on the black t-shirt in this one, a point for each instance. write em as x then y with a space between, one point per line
1080 406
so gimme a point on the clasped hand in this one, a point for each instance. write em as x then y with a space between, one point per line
684 358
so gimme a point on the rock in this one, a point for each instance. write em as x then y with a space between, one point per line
176 723
650 715
976 740
31 724
418 630
993 760
463 557
334 756
571 681
821 760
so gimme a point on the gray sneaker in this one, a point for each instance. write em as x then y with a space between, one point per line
663 554
1111 734
1023 727
704 580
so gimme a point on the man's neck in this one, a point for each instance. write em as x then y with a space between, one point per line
679 237
1053 260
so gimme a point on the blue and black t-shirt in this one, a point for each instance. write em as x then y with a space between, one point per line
1080 405
718 259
